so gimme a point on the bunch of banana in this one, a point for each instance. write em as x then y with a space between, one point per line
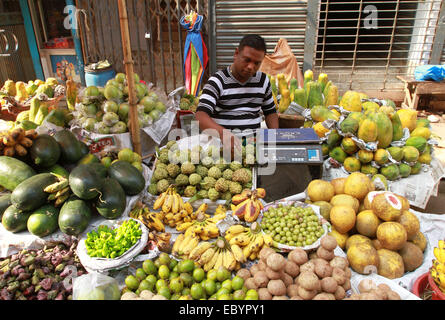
247 205
204 226
58 191
152 220
162 239
219 253
250 240
438 268
184 244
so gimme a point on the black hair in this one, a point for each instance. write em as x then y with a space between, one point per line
254 41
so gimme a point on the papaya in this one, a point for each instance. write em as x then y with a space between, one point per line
284 101
357 116
380 182
322 80
308 124
408 118
41 114
349 146
390 103
293 84
418 142
397 128
396 153
300 97
421 132
322 113
415 169
33 108
425 158
24 115
308 76
56 117
352 164
422 123
320 129
381 156
314 96
334 139
338 154
390 172
410 153
365 156
331 95
384 129
370 106
351 101
369 169
349 125
367 130
325 148
405 170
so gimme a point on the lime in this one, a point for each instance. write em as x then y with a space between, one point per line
176 285
237 283
140 274
163 272
239 295
145 285
225 296
227 284
126 154
185 297
186 265
251 294
132 282
222 274
186 278
149 267
164 259
151 278
209 286
197 291
172 275
160 283
222 291
211 274
199 274
157 262
175 296
185 292
173 264
218 285
164 291
106 161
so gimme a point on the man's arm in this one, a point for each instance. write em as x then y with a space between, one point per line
206 122
272 121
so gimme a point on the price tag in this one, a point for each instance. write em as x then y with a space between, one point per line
99 144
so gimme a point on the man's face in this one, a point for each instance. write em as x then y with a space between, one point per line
247 62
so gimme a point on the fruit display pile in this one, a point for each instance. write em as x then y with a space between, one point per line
438 268
60 185
201 174
105 110
188 102
376 229
168 279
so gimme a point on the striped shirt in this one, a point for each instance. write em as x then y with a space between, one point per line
233 104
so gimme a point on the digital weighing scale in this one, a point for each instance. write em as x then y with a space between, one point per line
296 156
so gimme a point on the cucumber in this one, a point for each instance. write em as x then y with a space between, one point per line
130 178
74 216
112 200
5 202
45 151
29 194
85 182
15 220
70 147
43 221
13 172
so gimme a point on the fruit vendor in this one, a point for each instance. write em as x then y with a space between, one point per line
237 96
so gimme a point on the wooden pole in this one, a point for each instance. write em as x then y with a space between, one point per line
128 63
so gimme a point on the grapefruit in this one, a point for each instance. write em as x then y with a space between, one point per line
342 218
363 258
412 256
419 240
387 206
356 239
339 185
320 190
390 264
339 237
345 200
392 235
367 223
357 185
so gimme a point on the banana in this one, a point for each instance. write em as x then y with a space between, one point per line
183 226
168 217
226 261
168 203
219 261
212 231
247 250
203 208
60 200
440 254
188 207
238 253
57 186
160 201
268 240
154 223
441 244
193 243
206 256
233 262
62 192
175 203
199 249
241 239
212 262
258 242
235 229
253 256
177 243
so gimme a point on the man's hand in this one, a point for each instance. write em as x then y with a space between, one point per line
233 142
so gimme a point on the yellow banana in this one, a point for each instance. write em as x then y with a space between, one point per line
175 204
219 260
168 203
177 243
188 207
199 249
268 240
439 254
233 262
247 250
226 261
189 247
235 229
211 263
258 242
206 256
212 231
441 244
229 236
241 239
160 201
238 253
253 256
168 216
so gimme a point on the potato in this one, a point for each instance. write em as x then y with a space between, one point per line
129 296
322 269
298 255
261 279
383 294
384 286
324 296
265 252
276 287
339 275
306 294
347 284
325 254
276 262
254 269
339 262
313 255
296 298
328 242
261 265
287 279
328 285
348 272
340 293
280 298
392 295
308 266
264 294
273 275
146 295
250 283
292 290
291 268
309 281
244 273
366 285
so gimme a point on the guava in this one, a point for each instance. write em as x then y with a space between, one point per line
110 106
119 127
110 119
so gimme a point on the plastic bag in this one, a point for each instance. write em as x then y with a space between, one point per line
282 61
95 286
429 72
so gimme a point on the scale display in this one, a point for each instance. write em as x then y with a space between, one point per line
287 136
302 154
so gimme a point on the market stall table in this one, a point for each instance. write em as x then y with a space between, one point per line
416 90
